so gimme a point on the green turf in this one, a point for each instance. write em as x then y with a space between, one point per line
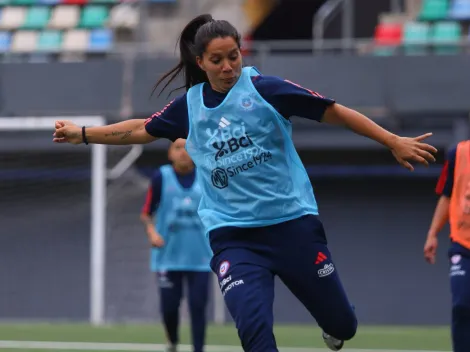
390 337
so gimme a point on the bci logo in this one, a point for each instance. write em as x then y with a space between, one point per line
228 140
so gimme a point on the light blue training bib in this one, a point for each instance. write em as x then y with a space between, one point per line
250 172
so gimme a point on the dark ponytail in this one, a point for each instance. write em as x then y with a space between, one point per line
193 42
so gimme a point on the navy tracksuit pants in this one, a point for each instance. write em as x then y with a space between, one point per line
171 293
246 261
460 289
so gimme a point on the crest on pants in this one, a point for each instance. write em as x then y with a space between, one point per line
223 268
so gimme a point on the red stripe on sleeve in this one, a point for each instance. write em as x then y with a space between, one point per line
315 94
159 113
442 179
148 202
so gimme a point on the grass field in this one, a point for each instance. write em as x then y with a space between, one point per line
290 338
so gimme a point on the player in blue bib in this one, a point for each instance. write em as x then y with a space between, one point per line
180 251
258 207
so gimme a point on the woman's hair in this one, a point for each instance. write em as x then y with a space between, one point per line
193 42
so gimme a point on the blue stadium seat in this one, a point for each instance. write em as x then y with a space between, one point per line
460 10
49 2
100 40
5 41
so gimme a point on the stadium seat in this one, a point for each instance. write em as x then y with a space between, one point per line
460 10
4 2
75 2
123 16
76 40
100 40
433 10
415 38
24 41
48 2
50 40
37 17
446 37
12 17
23 2
5 41
387 38
65 17
94 16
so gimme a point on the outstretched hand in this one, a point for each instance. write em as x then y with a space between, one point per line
67 132
407 150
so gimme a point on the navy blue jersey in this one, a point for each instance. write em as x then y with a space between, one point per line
288 98
446 180
155 189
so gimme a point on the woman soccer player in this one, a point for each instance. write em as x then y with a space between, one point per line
257 206
180 249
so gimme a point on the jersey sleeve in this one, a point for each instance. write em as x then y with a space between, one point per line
291 99
153 194
171 122
446 180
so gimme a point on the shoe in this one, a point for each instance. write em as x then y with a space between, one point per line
332 343
171 348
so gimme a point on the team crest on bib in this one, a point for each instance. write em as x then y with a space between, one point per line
223 268
246 102
455 258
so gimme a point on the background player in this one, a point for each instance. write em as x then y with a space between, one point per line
258 205
454 206
180 252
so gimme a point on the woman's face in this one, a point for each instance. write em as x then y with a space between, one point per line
222 62
178 155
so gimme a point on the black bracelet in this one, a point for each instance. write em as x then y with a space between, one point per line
84 136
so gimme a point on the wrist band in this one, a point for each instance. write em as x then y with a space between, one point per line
84 136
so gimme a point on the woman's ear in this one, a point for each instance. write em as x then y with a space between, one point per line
200 63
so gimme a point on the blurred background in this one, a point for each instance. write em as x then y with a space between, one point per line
75 258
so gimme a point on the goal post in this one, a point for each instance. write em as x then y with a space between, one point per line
98 200
81 243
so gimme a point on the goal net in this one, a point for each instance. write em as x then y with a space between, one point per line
72 246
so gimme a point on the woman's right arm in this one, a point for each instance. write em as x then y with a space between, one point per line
125 132
170 123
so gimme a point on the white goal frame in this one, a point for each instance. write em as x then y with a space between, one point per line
98 200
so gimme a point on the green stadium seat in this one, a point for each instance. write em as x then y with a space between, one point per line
23 2
446 36
50 40
415 38
434 10
94 16
5 2
37 17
